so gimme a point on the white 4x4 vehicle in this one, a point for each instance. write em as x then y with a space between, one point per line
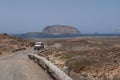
39 45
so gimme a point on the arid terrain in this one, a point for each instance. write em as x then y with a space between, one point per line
9 44
14 62
87 58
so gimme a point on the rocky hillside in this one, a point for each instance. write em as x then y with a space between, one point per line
61 29
9 44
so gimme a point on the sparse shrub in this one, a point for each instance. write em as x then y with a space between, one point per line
67 55
79 63
104 77
0 53
116 77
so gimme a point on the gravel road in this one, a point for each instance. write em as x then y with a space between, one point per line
18 66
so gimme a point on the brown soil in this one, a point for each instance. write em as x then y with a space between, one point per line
9 44
94 58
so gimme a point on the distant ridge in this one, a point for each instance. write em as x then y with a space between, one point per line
60 31
54 31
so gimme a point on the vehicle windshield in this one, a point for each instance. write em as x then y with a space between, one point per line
39 43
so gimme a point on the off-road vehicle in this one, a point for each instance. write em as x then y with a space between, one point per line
39 45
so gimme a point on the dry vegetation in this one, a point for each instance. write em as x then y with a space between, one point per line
9 44
94 58
88 58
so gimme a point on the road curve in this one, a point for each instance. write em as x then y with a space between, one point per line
18 67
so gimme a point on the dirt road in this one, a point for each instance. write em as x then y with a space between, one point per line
18 67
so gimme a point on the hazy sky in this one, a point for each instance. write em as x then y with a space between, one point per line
89 16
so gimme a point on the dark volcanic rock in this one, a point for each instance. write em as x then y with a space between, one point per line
60 29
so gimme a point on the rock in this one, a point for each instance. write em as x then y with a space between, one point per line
60 29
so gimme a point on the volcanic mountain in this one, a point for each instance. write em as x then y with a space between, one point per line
60 29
